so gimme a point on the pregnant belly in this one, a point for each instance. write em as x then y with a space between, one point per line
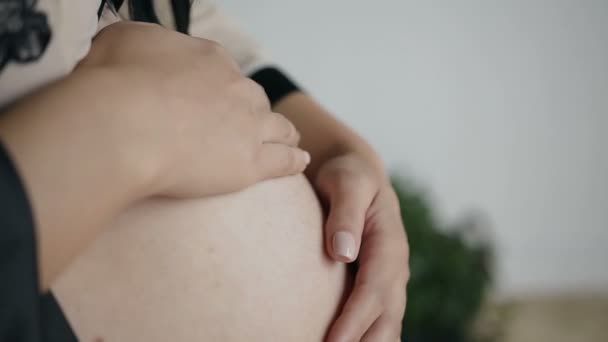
249 266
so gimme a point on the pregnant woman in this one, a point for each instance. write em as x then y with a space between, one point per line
153 177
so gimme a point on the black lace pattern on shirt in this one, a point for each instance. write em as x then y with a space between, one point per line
24 32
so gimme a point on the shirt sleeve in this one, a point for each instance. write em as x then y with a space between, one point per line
209 22
19 295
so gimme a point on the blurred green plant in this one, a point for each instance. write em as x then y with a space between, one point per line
450 271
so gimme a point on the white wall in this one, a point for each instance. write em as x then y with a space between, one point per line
496 105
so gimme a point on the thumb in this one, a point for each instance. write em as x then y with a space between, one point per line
348 204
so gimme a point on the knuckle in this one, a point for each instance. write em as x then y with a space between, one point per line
258 94
291 133
329 177
210 46
348 178
242 90
256 88
253 94
214 49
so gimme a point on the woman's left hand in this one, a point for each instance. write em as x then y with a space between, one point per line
364 225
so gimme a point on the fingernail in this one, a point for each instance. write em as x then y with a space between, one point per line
344 245
306 158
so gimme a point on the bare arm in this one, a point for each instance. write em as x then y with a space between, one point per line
58 139
135 120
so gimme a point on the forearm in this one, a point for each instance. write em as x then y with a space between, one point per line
75 175
322 134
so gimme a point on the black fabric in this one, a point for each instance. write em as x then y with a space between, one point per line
55 326
19 306
143 10
118 4
181 13
275 83
25 315
24 32
115 4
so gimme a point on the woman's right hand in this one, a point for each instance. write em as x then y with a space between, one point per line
199 127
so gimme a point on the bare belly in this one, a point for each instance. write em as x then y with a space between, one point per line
244 267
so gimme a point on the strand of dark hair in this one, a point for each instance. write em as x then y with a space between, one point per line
143 10
181 13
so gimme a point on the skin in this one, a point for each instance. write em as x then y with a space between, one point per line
248 266
163 158
349 176
65 138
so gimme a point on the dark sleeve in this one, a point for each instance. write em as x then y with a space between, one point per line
55 326
19 295
276 84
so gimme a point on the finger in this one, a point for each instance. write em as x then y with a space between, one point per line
347 207
277 129
278 160
382 270
362 308
377 274
384 329
383 258
349 198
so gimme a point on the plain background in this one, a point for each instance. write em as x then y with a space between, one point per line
497 106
